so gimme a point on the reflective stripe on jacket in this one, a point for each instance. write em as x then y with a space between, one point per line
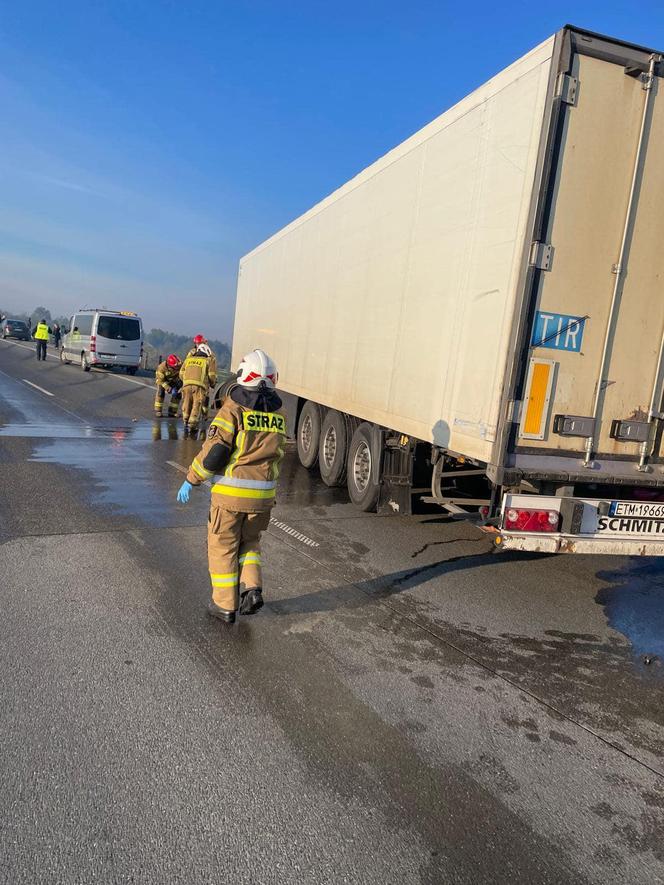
195 371
255 441
212 370
167 376
41 334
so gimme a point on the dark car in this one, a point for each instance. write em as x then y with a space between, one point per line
15 329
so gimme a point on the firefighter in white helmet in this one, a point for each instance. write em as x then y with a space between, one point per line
198 376
240 458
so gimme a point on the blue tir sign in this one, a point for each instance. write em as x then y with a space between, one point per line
558 331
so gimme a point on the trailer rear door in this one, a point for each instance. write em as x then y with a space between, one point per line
594 323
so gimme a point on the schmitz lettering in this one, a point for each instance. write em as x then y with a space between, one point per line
264 422
633 524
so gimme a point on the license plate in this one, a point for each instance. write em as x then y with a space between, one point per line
108 356
653 509
633 518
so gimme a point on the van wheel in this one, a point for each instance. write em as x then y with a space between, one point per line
63 358
85 363
131 370
333 448
362 489
308 434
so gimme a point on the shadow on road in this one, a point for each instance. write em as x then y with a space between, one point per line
391 584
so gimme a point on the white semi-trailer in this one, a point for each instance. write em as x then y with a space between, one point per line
487 301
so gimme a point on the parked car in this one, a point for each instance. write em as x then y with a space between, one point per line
15 329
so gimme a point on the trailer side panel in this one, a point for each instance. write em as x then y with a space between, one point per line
393 299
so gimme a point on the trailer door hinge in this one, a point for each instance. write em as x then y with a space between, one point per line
566 88
541 255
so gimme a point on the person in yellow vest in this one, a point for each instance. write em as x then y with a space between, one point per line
198 340
40 334
241 458
197 377
167 379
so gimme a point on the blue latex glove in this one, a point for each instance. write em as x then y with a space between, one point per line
183 492
173 391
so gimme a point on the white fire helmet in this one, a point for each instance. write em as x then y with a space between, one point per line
204 348
257 367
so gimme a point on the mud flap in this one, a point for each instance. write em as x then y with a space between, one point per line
396 477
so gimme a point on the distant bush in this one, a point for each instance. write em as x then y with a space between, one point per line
164 343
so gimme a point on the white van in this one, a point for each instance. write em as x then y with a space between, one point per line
104 338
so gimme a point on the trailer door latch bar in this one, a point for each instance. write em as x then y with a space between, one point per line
541 255
566 88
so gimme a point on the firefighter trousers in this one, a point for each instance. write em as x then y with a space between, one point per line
173 405
192 403
234 553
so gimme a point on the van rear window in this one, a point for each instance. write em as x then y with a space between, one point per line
118 328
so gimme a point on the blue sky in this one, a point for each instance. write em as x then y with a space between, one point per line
147 145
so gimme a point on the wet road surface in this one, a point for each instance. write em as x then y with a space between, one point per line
408 706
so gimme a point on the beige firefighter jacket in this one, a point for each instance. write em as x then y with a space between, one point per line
213 360
256 440
167 376
197 371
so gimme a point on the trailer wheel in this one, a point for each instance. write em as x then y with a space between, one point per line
333 448
362 489
308 434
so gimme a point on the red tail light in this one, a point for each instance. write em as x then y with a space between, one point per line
93 343
522 520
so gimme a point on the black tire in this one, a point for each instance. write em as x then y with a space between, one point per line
131 370
308 434
85 363
362 489
333 448
222 391
63 358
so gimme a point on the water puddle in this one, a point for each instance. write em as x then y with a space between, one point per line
125 476
634 606
119 432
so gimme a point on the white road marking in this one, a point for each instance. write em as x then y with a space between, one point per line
28 347
294 533
134 381
185 470
177 466
275 522
51 356
37 387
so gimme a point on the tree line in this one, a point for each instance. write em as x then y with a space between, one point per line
159 341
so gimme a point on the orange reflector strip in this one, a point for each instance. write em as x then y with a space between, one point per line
537 398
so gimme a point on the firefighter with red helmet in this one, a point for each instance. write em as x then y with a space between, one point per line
198 340
197 376
167 379
240 458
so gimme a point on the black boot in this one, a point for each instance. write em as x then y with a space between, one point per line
251 601
220 613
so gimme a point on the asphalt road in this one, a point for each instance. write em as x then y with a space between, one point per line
408 707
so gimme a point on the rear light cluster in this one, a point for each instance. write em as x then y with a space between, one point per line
522 520
93 343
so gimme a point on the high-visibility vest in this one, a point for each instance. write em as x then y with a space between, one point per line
42 332
194 371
